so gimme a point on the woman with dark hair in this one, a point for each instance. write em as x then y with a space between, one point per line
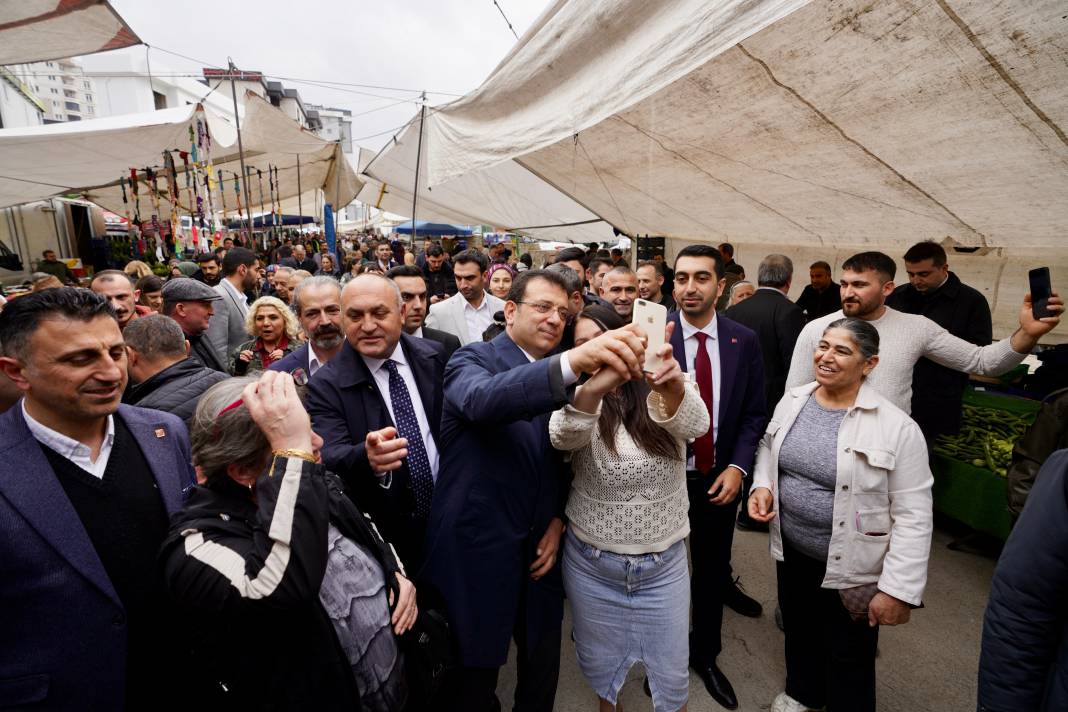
842 478
293 599
327 267
624 561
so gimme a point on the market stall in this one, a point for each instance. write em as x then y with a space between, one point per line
969 468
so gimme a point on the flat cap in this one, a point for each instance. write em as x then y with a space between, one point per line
187 289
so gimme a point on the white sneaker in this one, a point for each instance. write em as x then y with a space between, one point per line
785 703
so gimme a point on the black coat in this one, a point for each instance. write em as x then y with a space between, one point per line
176 389
936 390
345 404
1023 663
777 322
448 341
264 641
441 283
816 304
200 350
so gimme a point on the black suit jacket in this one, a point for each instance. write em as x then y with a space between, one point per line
777 322
345 404
448 341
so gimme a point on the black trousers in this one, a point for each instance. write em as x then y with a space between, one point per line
537 673
711 537
830 658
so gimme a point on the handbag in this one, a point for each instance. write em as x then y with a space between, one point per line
429 653
857 599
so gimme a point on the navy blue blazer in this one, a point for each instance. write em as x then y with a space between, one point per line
499 485
62 627
741 405
345 404
292 361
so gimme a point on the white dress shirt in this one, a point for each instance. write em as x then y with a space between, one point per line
689 341
478 320
381 376
242 300
314 362
70 448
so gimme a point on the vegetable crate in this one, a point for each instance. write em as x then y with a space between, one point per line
969 468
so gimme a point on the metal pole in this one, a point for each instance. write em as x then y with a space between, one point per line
418 156
241 150
300 201
337 187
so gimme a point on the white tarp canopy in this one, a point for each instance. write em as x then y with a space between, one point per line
506 196
828 122
89 157
38 30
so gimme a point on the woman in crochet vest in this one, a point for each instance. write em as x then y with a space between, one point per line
624 561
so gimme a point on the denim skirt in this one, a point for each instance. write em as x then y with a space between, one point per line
630 609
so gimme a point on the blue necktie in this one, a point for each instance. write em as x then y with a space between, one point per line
408 427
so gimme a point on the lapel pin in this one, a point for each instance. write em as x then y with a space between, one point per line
734 339
161 433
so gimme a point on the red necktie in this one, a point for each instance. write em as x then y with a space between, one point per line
704 447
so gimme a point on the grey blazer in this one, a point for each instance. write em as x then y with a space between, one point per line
226 330
449 316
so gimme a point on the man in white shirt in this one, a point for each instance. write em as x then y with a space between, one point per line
470 311
241 272
377 406
86 492
317 301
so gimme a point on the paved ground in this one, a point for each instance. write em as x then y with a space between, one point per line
928 665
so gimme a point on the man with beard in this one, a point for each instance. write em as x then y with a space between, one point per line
86 491
467 314
377 406
412 284
209 272
651 284
724 359
241 273
118 290
620 288
191 304
867 280
317 302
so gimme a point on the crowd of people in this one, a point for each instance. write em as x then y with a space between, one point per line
295 478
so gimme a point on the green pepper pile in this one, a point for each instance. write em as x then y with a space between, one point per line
986 438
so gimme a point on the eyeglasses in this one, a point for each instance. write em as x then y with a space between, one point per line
543 308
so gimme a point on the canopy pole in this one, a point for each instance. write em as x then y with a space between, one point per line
300 200
418 157
337 186
241 150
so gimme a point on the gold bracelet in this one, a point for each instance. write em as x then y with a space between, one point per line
302 454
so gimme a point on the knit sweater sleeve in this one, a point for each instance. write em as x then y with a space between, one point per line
571 428
690 420
946 349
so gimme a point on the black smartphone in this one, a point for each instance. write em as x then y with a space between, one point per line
1041 290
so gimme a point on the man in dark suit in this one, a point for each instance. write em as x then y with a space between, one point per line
86 491
821 296
317 301
726 362
776 320
377 406
412 285
963 311
495 527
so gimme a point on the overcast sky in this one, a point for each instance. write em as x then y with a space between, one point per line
442 45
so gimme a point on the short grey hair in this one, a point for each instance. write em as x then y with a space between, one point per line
311 283
865 336
232 437
739 283
571 277
775 271
374 275
283 269
155 336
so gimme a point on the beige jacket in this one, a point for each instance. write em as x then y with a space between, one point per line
883 516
